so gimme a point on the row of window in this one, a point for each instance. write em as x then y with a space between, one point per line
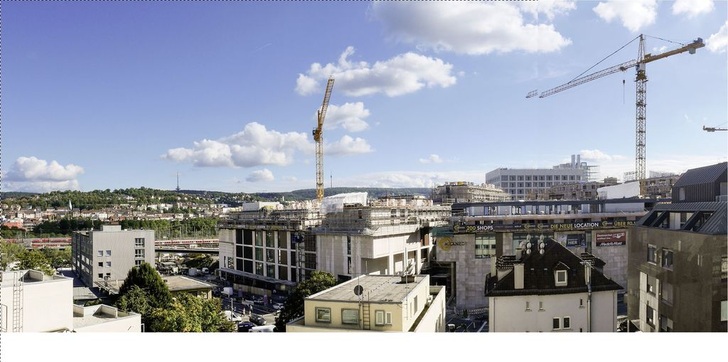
561 323
666 260
484 246
101 253
351 316
541 307
541 178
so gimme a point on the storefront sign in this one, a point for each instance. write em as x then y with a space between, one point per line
575 240
446 243
616 238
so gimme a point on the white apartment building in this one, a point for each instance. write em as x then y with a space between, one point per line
375 303
546 288
99 257
31 301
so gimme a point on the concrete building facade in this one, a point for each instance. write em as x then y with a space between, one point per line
267 251
465 250
375 303
461 191
385 237
106 256
519 183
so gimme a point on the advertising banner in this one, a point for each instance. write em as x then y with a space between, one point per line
614 238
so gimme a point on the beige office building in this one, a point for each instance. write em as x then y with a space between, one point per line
375 303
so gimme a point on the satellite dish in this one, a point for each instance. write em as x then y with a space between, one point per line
358 290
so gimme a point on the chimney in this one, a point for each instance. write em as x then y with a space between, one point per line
518 276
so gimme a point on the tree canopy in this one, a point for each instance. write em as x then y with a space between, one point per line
293 308
145 292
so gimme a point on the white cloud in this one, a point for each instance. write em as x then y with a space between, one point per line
412 178
349 116
550 8
470 27
254 146
260 176
718 42
35 175
347 146
403 74
433 158
692 7
634 14
598 156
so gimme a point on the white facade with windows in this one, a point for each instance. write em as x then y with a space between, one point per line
554 313
107 255
520 182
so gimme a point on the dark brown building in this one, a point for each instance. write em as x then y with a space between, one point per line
677 264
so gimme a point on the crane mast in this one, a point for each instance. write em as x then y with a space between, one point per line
318 138
641 92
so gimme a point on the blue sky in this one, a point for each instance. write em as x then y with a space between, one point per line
110 95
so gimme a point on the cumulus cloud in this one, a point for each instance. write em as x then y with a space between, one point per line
597 156
471 27
692 7
718 42
347 146
634 14
412 178
550 8
403 74
433 158
253 146
35 175
260 176
349 116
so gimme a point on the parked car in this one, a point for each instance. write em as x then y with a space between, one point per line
277 306
258 320
232 316
245 326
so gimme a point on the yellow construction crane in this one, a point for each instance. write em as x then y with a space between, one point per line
318 138
641 88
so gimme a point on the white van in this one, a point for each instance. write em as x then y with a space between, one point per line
265 328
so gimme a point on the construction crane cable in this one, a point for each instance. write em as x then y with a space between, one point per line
605 58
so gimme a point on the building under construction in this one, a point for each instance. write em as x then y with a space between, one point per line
268 250
462 191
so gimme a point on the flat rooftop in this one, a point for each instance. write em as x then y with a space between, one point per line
177 283
375 288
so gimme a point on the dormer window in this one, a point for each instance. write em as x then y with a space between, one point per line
561 278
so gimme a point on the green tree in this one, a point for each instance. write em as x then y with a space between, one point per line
190 313
9 253
319 281
56 257
136 300
34 259
148 280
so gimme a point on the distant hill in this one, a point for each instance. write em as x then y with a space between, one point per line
99 199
